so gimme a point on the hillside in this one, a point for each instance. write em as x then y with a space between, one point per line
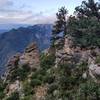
73 74
67 70
17 39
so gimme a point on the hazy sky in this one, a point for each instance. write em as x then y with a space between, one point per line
33 11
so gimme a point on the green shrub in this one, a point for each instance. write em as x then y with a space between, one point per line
52 87
29 97
20 72
28 89
23 71
49 79
1 95
97 60
65 69
38 75
14 96
47 61
90 90
83 66
2 87
35 82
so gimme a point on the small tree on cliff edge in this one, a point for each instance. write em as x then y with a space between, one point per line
59 29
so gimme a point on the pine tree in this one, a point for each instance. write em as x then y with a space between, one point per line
59 29
88 9
84 27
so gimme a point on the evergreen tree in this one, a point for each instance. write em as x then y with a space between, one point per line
88 9
85 27
59 29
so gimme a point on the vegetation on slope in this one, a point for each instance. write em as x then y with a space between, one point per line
64 82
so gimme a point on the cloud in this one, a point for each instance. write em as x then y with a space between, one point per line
25 17
13 16
40 19
5 3
8 14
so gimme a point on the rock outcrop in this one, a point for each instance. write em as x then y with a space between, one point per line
24 70
41 92
30 58
78 55
16 86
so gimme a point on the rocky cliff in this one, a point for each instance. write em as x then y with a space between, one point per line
19 70
78 55
68 74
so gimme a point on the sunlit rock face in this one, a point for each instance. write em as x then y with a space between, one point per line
94 69
16 86
30 56
65 52
68 44
41 92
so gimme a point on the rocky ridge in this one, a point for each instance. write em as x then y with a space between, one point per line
30 59
26 72
78 55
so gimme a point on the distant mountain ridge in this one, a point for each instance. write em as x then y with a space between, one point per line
16 40
11 26
3 30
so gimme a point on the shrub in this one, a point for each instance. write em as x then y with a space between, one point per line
29 97
52 87
98 59
49 79
35 82
1 95
23 71
1 89
14 96
47 61
20 72
90 90
27 88
38 75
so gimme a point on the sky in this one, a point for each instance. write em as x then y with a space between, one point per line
32 11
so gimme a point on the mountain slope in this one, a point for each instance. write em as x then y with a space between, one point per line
71 74
17 39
